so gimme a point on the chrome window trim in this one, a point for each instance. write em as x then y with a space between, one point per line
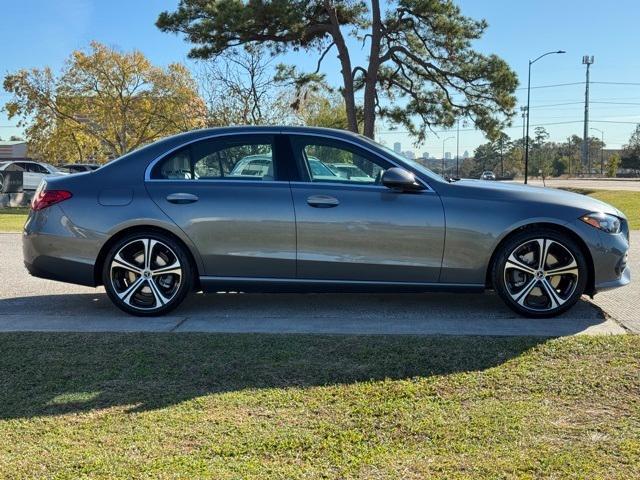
147 172
380 188
284 131
219 180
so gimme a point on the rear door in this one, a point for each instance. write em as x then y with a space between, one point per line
240 219
354 228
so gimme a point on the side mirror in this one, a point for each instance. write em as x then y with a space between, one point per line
400 179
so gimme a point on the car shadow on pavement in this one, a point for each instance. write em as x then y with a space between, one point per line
44 374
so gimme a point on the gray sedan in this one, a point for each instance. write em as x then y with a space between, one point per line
177 216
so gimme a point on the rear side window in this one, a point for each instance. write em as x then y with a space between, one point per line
242 157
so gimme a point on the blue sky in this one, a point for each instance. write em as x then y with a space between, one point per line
36 33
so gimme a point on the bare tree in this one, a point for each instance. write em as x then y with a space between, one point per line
239 89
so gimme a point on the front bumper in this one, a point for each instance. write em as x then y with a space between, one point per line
610 261
624 279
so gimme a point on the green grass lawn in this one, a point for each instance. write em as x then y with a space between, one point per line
297 406
627 202
12 219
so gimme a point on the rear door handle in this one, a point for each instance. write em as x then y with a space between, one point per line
181 198
322 201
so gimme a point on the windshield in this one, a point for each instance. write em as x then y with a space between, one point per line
50 167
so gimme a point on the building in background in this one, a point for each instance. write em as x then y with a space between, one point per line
397 147
465 155
447 155
409 154
425 155
13 150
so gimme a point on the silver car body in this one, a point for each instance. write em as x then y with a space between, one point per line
33 172
264 235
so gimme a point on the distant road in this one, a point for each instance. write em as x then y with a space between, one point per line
596 184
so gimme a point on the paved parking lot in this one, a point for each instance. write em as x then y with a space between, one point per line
596 184
31 304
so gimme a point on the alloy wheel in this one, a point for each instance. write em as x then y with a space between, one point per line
146 274
541 274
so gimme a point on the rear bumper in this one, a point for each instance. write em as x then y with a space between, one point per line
55 249
41 265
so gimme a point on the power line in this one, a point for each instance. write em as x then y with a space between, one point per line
553 85
637 84
549 124
619 103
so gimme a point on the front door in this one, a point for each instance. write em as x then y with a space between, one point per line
351 227
226 193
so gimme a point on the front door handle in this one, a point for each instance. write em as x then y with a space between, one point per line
181 198
322 201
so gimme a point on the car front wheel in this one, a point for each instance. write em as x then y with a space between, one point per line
540 273
147 274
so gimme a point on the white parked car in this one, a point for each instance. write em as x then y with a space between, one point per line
33 172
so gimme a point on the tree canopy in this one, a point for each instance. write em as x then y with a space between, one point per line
421 69
631 151
104 103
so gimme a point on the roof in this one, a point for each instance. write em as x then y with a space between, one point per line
8 143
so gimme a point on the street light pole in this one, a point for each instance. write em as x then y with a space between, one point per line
443 142
526 147
458 150
601 149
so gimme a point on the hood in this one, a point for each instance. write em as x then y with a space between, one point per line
542 195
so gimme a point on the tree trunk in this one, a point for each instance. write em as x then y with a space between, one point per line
345 62
371 79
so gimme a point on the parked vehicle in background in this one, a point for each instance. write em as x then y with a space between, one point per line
78 167
261 166
488 175
350 172
285 222
33 172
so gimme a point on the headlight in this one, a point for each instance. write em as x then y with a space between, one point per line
603 221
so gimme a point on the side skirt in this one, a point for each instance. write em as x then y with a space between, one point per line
292 285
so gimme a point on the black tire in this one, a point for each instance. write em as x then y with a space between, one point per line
534 299
166 290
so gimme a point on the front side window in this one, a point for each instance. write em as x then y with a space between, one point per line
245 157
336 161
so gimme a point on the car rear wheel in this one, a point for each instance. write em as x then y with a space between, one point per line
147 274
540 273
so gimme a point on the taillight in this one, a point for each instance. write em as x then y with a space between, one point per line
46 198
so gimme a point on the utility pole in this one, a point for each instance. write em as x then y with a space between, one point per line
586 161
524 121
443 142
601 149
458 150
501 157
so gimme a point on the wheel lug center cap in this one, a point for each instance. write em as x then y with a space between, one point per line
146 273
539 274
